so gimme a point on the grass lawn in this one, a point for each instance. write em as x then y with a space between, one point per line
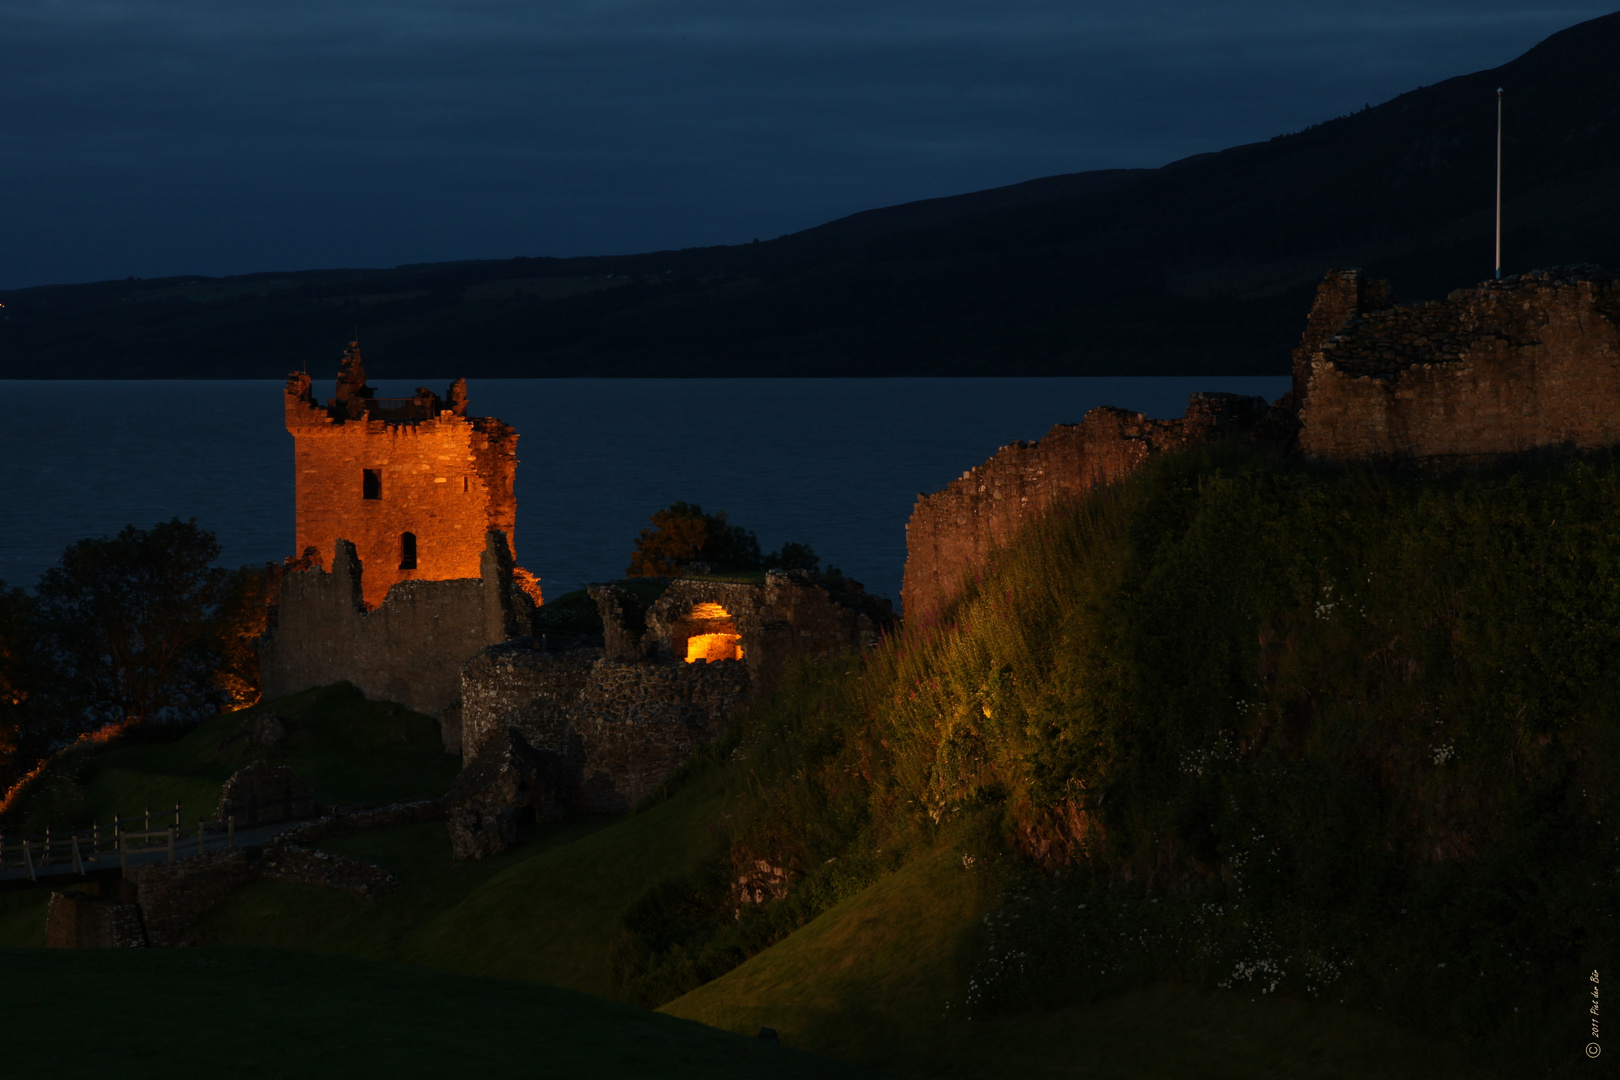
873 981
547 910
350 750
225 1012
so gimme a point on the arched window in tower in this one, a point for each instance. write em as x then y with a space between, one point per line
407 551
371 484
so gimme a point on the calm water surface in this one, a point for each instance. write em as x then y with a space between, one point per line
834 463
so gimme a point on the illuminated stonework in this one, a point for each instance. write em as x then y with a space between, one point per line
414 483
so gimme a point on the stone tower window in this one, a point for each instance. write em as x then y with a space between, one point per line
466 484
407 551
371 484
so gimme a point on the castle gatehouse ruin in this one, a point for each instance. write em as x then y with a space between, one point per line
1526 363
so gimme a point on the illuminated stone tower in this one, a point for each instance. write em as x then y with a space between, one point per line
414 483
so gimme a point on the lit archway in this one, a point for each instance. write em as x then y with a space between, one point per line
712 635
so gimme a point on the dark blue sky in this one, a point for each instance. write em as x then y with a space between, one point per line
158 137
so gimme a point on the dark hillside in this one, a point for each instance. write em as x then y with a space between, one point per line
1204 265
1331 735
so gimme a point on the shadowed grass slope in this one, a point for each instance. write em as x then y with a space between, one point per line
548 910
350 750
878 980
207 1013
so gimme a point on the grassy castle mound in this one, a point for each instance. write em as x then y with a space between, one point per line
1237 763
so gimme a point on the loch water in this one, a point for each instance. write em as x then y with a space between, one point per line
833 463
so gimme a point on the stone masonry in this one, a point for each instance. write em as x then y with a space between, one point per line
1523 364
618 721
410 649
952 531
1509 366
413 483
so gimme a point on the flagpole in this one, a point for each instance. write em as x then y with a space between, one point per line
1499 183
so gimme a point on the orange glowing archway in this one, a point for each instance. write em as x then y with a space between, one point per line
719 639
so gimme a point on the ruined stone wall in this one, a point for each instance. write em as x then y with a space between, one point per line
76 920
952 532
793 613
410 649
172 896
1509 366
618 727
447 479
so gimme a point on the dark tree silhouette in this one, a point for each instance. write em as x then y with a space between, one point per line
683 538
131 627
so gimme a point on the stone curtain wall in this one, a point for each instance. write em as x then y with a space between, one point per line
615 727
448 480
410 649
172 896
1508 366
619 721
952 531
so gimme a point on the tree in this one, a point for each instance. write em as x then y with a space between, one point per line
19 680
131 627
684 538
683 535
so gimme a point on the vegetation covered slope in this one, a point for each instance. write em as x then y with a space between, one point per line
1202 266
879 979
350 751
1336 735
182 1013
1251 742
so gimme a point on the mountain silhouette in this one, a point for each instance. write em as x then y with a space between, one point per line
1203 266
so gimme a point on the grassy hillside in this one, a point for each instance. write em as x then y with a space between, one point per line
1337 736
879 979
176 1014
548 910
1239 767
350 750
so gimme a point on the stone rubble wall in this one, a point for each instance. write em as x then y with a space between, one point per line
409 650
342 821
952 532
172 896
76 920
616 727
1509 366
308 866
793 613
261 794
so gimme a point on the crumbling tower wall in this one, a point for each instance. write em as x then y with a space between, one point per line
413 483
1509 366
952 532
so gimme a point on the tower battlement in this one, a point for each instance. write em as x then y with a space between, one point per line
414 483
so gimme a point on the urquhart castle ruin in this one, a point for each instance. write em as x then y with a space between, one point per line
408 586
1523 364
